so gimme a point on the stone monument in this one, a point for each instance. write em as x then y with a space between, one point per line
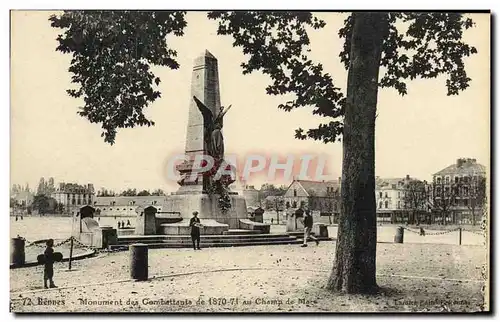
199 191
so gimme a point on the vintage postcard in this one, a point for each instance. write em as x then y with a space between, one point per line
249 161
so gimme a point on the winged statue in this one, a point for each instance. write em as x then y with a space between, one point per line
213 129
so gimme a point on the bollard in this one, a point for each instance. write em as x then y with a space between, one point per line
399 235
17 256
139 262
460 236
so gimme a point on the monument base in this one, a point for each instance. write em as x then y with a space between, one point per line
207 207
210 227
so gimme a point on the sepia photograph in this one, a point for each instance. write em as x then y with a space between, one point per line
167 161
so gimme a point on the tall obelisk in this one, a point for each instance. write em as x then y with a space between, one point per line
205 86
192 194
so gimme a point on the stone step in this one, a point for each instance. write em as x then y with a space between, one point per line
241 232
229 241
212 244
140 239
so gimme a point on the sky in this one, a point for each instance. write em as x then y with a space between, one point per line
418 134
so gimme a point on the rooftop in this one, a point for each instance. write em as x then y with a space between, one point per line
463 166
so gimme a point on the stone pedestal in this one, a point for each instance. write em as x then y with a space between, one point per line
320 230
207 207
146 221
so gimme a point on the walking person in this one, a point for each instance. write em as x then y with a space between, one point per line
48 270
128 223
195 225
308 224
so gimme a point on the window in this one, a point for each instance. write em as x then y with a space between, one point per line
447 179
399 195
380 205
130 208
399 204
438 180
386 204
438 190
103 208
295 192
287 205
380 193
294 204
386 196
456 179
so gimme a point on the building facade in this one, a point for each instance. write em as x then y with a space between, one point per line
125 206
458 193
401 200
73 196
322 197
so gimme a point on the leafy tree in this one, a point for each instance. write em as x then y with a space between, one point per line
376 54
41 187
13 203
474 191
380 50
112 52
271 190
41 203
443 196
415 198
144 193
158 192
129 192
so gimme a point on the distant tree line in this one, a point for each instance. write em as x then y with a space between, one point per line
129 193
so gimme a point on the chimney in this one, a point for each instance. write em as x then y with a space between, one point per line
407 177
460 162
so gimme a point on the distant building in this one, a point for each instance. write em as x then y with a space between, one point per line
73 195
458 192
23 197
126 205
319 196
390 199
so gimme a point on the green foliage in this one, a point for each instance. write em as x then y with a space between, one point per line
144 193
277 44
158 192
271 190
41 203
129 193
112 52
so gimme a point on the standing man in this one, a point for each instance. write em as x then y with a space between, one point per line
195 225
308 224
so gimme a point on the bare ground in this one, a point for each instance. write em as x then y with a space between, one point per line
412 277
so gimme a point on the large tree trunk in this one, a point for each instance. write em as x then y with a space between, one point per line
354 268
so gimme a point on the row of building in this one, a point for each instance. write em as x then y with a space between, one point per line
447 199
457 194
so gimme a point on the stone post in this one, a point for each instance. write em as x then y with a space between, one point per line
399 235
139 262
17 256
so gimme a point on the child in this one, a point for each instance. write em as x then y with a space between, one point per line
48 271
